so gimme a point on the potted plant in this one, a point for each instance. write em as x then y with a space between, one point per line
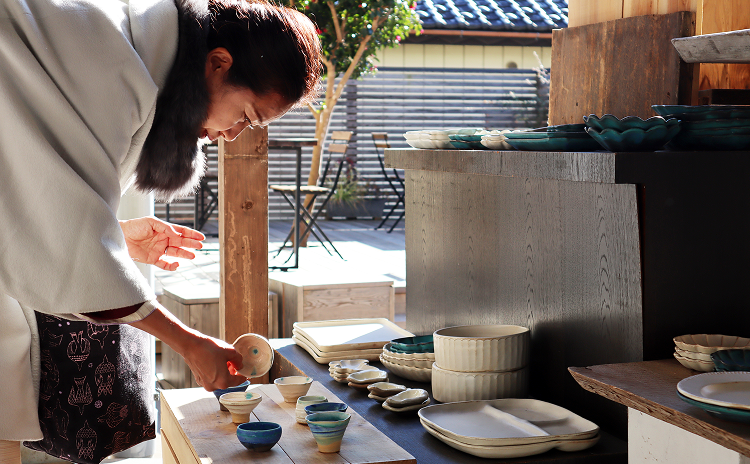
353 197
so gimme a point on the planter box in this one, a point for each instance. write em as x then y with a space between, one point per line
371 208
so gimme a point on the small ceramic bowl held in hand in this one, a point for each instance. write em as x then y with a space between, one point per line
240 405
259 436
257 354
293 386
328 429
239 388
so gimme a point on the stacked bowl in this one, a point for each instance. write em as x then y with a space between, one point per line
709 127
410 358
480 362
631 133
694 351
428 139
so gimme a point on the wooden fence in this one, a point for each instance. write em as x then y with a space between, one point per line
396 100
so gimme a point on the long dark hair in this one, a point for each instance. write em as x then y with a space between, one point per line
274 49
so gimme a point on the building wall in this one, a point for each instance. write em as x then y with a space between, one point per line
464 56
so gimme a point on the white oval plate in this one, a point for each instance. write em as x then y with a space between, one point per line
728 389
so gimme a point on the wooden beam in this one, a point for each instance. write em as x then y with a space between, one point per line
243 234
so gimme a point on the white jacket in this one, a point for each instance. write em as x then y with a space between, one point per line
78 87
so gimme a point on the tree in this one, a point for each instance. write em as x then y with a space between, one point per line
351 32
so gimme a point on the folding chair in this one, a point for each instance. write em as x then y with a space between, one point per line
339 144
380 139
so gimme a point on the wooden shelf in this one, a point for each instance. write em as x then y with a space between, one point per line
651 388
722 47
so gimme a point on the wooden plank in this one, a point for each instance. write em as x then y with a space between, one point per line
722 47
724 16
649 387
584 12
653 7
619 67
209 434
243 234
167 453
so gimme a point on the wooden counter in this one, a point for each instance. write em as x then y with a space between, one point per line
651 387
604 256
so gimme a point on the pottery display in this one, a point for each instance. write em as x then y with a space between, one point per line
257 355
240 405
259 436
328 429
239 388
292 387
303 401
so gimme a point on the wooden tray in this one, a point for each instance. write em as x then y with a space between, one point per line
195 431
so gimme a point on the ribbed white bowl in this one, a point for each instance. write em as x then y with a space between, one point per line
482 348
424 363
450 386
416 374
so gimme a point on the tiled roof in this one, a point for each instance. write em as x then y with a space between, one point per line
494 15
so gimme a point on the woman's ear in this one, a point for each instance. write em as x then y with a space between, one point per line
218 62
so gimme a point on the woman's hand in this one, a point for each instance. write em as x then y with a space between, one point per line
149 239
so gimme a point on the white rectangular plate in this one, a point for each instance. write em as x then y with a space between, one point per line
350 334
328 358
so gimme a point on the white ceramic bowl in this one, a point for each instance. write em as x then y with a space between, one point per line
416 374
450 386
293 386
240 405
424 363
694 355
695 364
482 348
708 343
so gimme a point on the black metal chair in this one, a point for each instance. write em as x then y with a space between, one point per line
338 146
380 139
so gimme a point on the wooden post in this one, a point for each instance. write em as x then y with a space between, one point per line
243 234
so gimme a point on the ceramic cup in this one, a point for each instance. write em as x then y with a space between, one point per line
259 436
303 401
328 429
240 405
239 388
293 387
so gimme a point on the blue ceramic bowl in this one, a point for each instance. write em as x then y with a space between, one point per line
239 388
635 139
731 360
325 407
259 436
419 344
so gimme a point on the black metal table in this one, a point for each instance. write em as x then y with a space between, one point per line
406 430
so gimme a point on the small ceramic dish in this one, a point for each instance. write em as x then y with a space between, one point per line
694 364
367 377
413 407
328 429
292 387
350 365
417 344
377 398
358 386
259 436
708 343
257 355
693 355
408 397
496 142
610 121
325 407
731 360
240 405
385 389
367 367
239 388
304 401
635 139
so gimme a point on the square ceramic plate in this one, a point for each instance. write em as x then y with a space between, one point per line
350 334
727 389
335 356
512 451
328 354
508 421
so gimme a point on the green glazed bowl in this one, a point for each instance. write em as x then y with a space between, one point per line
635 139
610 121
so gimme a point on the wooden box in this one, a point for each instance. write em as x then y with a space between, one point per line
197 305
306 296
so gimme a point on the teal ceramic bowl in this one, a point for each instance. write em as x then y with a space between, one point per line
565 128
239 388
715 124
325 407
546 135
259 436
610 121
702 112
635 139
577 144
467 142
731 360
328 429
419 344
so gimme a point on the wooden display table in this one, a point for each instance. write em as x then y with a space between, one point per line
195 431
651 388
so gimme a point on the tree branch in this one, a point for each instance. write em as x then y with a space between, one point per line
336 23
